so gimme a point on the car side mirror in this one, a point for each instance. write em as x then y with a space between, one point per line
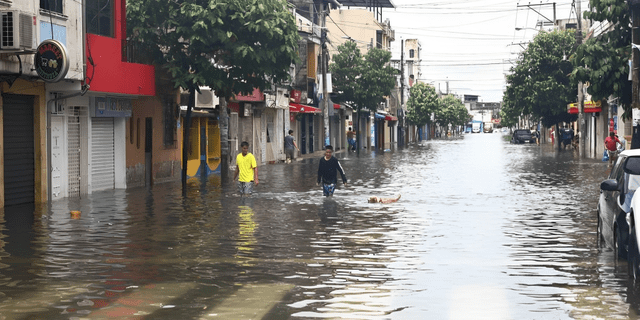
609 185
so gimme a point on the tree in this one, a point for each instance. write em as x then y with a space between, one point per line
362 81
423 101
539 84
603 61
229 46
451 111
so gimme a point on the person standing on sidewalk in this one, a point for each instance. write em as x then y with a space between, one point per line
246 170
351 139
289 144
327 174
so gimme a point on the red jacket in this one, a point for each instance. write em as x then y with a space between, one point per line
611 143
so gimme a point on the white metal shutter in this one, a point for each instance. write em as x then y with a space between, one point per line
73 152
102 154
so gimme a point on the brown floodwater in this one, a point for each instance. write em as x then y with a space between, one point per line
484 230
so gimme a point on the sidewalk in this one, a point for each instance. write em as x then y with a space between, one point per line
317 154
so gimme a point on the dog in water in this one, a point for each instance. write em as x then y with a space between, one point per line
383 200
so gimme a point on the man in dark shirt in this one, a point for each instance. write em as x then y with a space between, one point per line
327 172
289 144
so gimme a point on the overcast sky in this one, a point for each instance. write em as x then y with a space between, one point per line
469 42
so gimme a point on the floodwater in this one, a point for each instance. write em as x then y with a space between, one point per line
484 230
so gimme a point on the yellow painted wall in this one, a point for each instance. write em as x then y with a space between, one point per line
213 144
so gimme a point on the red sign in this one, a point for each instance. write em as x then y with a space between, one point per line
610 125
296 95
255 96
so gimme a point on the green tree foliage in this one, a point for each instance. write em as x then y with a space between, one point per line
539 84
230 46
423 101
451 111
602 62
362 81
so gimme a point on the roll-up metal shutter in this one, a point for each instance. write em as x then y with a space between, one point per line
102 154
19 159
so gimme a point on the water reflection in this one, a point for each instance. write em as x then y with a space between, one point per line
484 230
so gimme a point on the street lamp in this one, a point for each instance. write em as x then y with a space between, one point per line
520 29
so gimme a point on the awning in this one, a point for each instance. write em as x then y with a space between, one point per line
379 116
589 107
390 118
336 106
302 108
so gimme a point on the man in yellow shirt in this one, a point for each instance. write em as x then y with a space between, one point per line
246 170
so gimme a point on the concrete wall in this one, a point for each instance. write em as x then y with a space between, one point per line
166 159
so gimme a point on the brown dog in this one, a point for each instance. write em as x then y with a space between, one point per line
383 200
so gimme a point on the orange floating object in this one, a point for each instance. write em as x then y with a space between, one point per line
75 214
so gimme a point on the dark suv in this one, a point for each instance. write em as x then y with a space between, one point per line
522 136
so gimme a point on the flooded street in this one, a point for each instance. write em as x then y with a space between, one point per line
484 230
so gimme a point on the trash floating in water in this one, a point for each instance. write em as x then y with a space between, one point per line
85 303
75 214
387 150
168 306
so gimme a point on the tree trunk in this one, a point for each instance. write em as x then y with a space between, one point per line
224 139
185 138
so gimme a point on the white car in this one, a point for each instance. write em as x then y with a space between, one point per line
631 173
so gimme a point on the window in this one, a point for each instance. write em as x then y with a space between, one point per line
131 129
51 5
411 53
100 17
169 114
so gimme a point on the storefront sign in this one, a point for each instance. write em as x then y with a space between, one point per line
51 61
112 108
589 107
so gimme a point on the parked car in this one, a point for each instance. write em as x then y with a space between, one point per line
522 136
616 195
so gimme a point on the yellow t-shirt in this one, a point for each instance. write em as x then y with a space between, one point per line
246 165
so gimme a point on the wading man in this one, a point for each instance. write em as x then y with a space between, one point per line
246 170
327 172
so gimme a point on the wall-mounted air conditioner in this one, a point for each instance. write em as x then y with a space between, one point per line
206 99
18 31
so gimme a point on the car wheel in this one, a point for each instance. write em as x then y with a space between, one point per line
599 230
620 251
634 256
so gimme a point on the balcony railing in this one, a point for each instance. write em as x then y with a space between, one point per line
135 52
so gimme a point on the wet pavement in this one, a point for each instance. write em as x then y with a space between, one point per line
484 230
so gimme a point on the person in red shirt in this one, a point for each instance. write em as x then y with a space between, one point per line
611 143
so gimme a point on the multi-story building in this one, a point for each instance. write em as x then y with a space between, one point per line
42 50
362 23
407 61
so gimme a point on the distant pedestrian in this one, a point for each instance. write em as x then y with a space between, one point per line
327 174
289 144
611 144
246 170
351 138
567 136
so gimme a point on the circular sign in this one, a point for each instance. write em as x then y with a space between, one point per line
51 61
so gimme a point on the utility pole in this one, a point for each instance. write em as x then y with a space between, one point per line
401 136
635 74
325 96
582 128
